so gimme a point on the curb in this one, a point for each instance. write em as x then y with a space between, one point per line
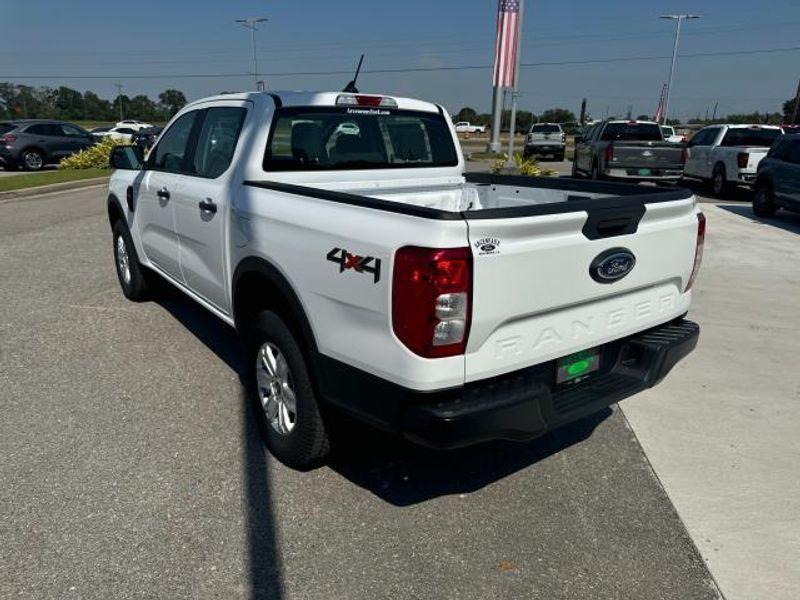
53 187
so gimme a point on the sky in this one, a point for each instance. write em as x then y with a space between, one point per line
613 52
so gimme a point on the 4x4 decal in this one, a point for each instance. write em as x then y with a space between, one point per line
360 264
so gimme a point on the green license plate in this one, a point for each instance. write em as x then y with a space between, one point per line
577 365
645 172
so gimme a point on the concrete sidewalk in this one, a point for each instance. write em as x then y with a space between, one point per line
721 432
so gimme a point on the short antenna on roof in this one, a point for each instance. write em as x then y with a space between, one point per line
351 87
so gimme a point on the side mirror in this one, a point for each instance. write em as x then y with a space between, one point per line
130 158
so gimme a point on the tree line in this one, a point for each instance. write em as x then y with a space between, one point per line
28 102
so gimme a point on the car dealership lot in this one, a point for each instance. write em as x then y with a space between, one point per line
132 466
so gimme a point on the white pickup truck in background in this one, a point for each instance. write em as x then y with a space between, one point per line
467 127
366 273
728 155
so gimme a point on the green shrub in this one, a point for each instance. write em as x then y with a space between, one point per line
526 166
94 157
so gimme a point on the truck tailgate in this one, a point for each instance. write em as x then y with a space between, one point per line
534 299
646 155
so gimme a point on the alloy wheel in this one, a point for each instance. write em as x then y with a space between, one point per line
275 388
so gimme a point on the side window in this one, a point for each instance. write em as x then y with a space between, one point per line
217 140
43 129
172 150
71 130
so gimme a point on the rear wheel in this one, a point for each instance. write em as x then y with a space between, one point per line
32 160
763 201
595 171
560 156
280 387
719 181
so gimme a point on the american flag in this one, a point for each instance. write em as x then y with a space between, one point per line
505 50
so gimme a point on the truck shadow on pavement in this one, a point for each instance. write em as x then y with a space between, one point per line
404 474
397 471
788 221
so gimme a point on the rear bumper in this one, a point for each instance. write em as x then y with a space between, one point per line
516 406
545 148
667 174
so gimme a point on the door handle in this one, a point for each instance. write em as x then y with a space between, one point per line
207 206
163 193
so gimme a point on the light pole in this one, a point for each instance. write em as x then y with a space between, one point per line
251 23
678 19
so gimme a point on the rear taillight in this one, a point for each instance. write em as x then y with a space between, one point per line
609 153
742 159
7 139
698 251
432 299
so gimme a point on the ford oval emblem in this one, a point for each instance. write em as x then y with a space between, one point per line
612 265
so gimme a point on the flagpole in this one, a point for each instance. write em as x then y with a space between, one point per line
497 97
515 93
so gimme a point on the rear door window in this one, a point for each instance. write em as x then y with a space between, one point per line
545 129
750 137
632 132
47 129
331 138
217 140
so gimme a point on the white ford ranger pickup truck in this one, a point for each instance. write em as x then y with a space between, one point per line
366 273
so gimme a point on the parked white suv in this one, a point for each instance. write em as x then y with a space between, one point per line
728 155
365 272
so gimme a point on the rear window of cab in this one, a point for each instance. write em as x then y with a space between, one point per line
334 138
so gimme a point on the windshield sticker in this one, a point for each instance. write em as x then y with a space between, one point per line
488 245
367 111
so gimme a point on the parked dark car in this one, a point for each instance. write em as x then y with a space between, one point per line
778 178
32 144
146 138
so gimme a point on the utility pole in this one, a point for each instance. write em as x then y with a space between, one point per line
678 20
251 23
119 98
515 92
714 115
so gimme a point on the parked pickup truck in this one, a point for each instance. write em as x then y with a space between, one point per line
546 138
367 274
728 155
467 127
631 150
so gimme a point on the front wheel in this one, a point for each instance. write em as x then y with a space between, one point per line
131 275
280 387
763 201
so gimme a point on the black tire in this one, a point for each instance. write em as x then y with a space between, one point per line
134 284
719 181
306 445
763 201
32 160
595 172
560 157
575 172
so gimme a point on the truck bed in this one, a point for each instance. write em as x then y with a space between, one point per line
492 196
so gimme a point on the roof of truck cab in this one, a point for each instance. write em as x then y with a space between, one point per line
299 98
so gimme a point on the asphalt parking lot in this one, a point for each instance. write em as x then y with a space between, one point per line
132 466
